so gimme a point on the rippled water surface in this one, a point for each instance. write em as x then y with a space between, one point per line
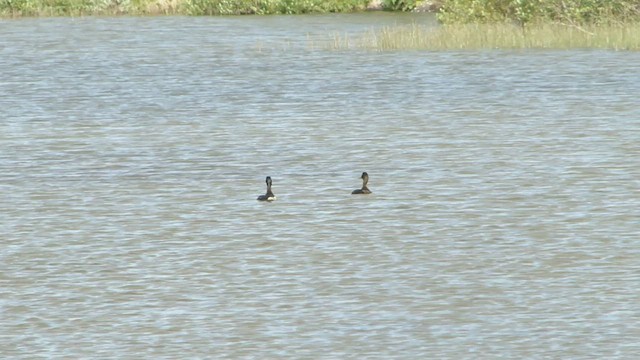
503 221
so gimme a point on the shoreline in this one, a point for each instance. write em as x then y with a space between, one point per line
79 8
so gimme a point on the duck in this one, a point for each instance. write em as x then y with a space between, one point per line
269 196
364 189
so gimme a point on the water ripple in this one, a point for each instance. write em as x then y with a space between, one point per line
502 221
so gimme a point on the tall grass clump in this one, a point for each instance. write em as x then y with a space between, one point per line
495 36
517 24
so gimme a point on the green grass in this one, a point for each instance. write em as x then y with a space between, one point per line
494 36
35 8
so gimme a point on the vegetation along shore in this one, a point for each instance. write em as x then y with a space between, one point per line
20 8
516 24
449 11
465 24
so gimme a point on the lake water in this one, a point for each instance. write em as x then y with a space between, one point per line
503 221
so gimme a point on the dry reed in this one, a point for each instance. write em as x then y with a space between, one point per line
494 36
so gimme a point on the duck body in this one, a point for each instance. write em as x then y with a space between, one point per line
269 196
361 191
364 189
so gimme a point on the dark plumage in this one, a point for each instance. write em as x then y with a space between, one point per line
269 196
364 189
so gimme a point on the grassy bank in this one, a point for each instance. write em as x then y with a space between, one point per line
466 24
536 11
495 36
18 8
35 8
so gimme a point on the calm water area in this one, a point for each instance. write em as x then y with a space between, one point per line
504 219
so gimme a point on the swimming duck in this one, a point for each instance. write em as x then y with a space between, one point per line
269 196
365 189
